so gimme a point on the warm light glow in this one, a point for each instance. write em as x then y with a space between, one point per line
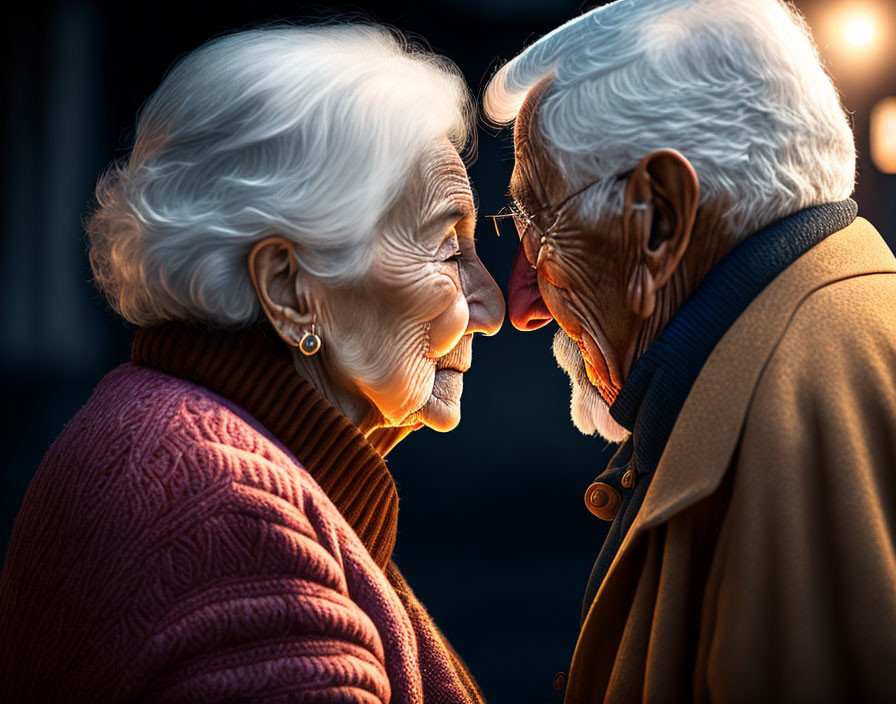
854 38
883 135
859 32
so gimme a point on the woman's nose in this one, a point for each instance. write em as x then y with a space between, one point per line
484 300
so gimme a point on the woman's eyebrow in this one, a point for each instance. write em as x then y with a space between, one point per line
450 215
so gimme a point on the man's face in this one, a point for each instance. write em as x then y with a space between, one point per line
571 270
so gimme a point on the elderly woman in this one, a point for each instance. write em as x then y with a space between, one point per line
292 234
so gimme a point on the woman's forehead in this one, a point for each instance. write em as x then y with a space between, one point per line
444 182
437 195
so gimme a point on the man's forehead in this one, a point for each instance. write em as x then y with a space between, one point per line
524 138
521 144
526 118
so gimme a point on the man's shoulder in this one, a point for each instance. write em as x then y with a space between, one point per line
831 377
847 326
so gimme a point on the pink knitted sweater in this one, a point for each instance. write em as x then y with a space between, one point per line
170 548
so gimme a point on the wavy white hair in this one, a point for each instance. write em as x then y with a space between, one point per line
735 85
306 132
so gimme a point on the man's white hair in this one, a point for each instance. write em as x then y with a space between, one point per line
736 86
306 132
590 413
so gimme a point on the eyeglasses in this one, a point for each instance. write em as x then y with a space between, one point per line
522 221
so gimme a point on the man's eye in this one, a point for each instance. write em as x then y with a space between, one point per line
454 257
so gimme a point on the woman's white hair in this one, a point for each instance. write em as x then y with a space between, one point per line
736 86
303 131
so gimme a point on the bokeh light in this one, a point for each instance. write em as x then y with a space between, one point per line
856 41
883 135
859 32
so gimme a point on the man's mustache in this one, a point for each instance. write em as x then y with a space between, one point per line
569 357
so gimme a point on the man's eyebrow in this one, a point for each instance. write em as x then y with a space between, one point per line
517 190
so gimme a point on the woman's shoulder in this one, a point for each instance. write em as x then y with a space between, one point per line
148 444
154 463
163 512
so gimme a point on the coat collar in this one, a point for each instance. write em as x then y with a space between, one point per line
659 382
705 435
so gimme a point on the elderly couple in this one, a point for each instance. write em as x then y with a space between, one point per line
293 235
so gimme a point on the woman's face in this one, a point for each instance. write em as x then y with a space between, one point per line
403 336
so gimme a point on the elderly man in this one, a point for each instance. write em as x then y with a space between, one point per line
681 188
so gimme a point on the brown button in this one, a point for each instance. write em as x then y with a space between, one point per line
602 500
628 479
560 681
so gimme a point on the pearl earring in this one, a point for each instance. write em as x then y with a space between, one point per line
310 342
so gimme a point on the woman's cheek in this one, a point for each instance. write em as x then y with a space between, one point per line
417 388
431 296
449 326
408 389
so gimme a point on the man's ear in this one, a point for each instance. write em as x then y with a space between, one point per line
659 211
276 276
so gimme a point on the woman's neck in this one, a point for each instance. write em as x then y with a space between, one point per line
358 410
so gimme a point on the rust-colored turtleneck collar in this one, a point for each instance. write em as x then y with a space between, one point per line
256 372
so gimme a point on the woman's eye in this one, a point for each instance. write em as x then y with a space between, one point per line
452 245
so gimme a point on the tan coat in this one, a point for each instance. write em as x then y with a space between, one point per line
761 566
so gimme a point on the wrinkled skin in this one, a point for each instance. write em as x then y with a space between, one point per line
612 284
396 343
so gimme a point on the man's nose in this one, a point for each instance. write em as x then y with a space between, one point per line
527 308
484 300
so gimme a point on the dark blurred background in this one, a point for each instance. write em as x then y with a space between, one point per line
493 535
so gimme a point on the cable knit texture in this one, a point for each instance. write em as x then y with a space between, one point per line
172 548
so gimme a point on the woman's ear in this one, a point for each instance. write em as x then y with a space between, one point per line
276 276
659 212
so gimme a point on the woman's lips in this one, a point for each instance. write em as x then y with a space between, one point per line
460 357
448 384
449 379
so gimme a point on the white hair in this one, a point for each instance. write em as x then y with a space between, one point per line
736 86
590 413
305 132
